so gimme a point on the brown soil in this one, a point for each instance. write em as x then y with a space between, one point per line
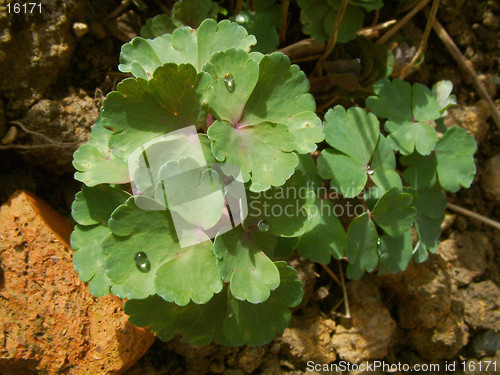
446 309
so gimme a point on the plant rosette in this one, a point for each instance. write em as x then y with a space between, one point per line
198 184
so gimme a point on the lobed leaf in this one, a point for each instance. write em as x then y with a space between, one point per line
242 263
361 247
94 205
140 110
88 259
283 209
393 212
95 163
141 57
383 166
395 253
262 152
223 319
318 17
455 159
324 237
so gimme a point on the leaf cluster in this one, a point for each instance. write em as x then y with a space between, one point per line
254 113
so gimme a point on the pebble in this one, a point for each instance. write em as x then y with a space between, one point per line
10 136
80 29
490 180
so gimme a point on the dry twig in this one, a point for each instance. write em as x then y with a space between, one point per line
333 36
462 62
384 38
474 215
430 21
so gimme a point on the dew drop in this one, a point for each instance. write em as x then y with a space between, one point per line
369 171
142 262
229 82
263 226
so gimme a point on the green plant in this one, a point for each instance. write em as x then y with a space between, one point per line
253 113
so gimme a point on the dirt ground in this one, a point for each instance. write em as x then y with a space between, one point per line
446 310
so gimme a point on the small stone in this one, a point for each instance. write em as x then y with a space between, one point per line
370 332
80 29
489 84
472 118
10 136
486 343
490 20
490 180
482 305
50 321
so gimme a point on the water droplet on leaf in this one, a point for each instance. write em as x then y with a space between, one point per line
142 262
369 171
263 226
229 82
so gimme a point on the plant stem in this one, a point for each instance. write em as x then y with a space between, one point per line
474 215
430 20
402 22
467 68
333 36
284 20
332 275
344 290
238 7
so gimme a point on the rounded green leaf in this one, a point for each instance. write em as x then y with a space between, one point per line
242 263
283 209
281 96
421 171
324 235
414 136
383 166
455 159
257 324
94 162
234 76
395 253
190 275
353 132
137 231
318 18
361 249
140 110
394 213
94 205
348 175
88 258
141 57
262 152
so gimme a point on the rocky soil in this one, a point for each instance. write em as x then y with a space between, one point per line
446 309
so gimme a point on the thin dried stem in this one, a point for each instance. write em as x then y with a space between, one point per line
305 58
384 38
162 6
462 62
332 275
324 106
333 36
238 7
344 290
120 9
370 31
284 20
305 47
474 215
423 43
